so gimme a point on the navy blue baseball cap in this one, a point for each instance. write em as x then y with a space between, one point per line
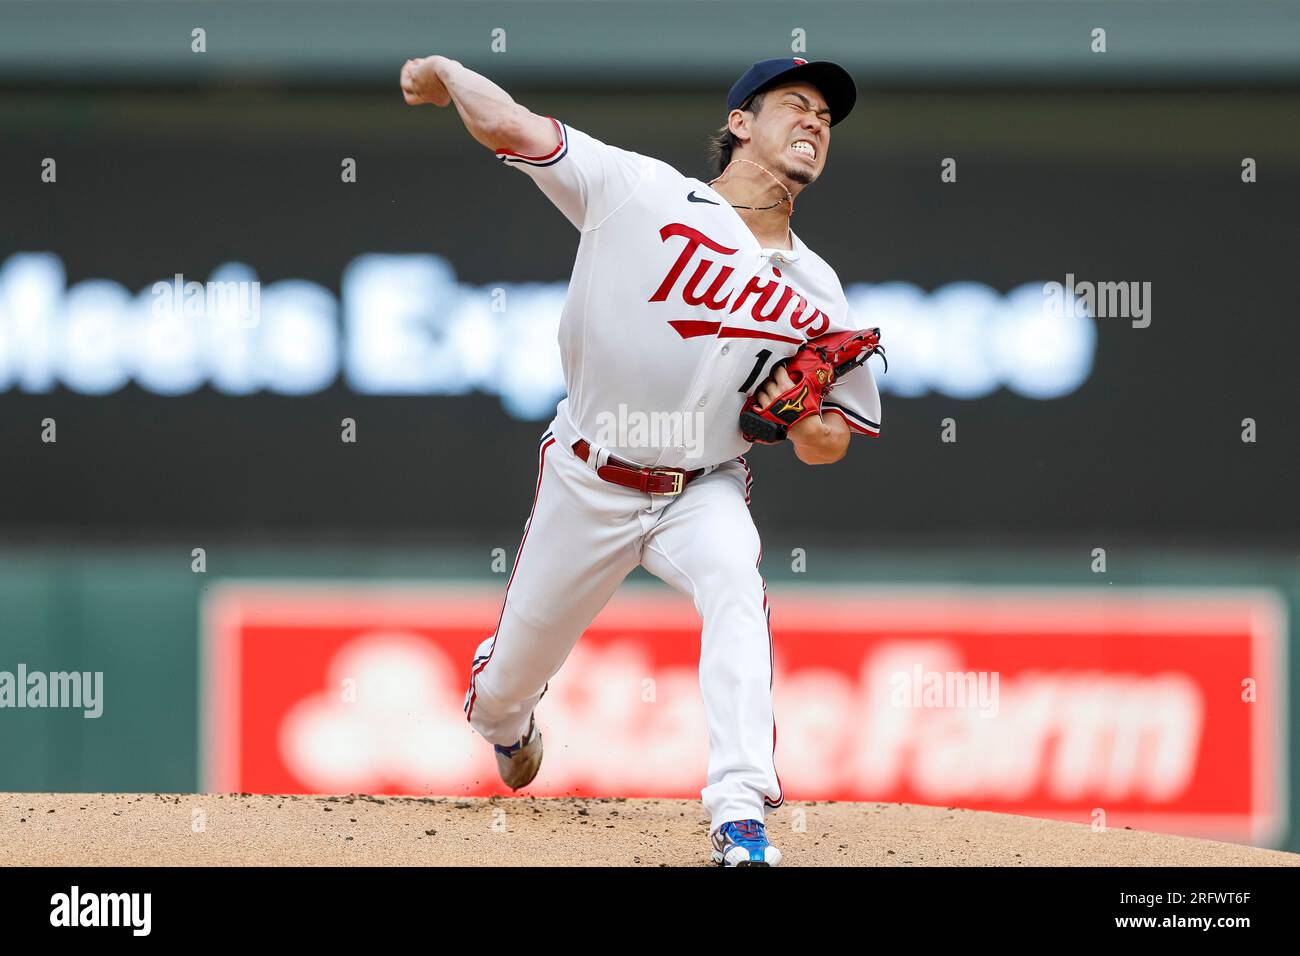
831 79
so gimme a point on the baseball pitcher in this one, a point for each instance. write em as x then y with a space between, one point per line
695 308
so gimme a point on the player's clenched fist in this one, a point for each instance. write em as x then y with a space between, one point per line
421 84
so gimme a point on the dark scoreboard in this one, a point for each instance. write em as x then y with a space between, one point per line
419 302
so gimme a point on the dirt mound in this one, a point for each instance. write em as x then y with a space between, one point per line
91 829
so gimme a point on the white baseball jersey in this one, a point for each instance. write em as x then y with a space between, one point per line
675 311
674 314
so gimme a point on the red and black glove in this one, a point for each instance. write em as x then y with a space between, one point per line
813 370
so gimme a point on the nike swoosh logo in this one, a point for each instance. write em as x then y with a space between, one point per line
694 198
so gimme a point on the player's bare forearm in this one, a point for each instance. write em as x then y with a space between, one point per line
817 439
489 113
820 439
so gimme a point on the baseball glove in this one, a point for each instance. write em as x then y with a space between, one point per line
814 370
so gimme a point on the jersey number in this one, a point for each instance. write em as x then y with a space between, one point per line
759 362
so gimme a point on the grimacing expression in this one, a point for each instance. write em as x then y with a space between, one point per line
792 134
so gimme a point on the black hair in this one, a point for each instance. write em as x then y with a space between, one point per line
723 142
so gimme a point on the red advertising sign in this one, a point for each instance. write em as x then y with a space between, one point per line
1158 708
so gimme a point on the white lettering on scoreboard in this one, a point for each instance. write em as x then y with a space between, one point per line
404 325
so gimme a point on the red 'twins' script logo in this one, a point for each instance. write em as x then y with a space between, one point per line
762 292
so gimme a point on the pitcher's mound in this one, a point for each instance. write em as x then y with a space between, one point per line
85 829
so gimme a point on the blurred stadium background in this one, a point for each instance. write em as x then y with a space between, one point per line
320 639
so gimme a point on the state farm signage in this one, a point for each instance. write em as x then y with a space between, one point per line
1166 709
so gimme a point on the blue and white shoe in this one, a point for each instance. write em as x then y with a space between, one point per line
518 764
743 843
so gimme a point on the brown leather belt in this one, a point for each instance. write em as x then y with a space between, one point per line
655 481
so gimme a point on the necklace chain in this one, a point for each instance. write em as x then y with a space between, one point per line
788 198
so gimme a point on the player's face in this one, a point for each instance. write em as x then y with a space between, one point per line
793 132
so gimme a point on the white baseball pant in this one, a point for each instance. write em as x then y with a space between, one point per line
584 536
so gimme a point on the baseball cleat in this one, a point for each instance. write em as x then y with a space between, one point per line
743 843
518 764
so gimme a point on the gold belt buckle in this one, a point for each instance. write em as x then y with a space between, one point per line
679 480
